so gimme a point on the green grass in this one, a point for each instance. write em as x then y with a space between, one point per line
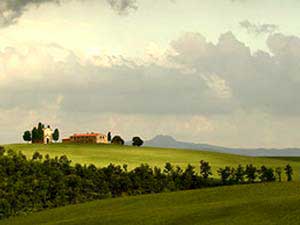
103 155
259 204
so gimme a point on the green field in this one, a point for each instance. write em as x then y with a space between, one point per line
259 204
102 155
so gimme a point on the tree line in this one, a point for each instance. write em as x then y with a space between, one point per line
118 140
42 182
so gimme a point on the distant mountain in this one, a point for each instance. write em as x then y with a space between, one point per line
164 141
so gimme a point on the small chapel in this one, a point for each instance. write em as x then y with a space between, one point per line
48 135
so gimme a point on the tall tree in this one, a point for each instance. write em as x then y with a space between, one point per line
278 172
27 136
205 169
289 172
251 173
40 132
109 137
56 135
34 135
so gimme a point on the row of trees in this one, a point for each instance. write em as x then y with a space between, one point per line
250 173
34 184
118 140
36 135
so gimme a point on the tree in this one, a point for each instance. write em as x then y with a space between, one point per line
109 137
278 172
251 173
40 132
205 169
289 172
55 135
137 141
225 174
27 136
117 140
266 174
34 135
239 174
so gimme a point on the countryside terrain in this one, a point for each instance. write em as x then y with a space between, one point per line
103 155
259 204
265 204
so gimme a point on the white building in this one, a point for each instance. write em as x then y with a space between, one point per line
48 135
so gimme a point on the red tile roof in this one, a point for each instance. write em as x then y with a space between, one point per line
86 135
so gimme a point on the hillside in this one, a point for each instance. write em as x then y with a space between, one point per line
260 204
164 141
102 155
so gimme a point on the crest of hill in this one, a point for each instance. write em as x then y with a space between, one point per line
165 141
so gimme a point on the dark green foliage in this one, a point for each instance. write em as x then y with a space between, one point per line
205 169
225 174
56 135
251 173
37 134
40 132
109 137
137 141
117 140
240 174
28 185
266 174
27 136
278 172
34 135
289 172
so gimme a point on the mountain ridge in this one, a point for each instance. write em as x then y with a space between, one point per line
166 141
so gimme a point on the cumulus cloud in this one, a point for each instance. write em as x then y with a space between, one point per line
257 29
12 10
123 6
193 82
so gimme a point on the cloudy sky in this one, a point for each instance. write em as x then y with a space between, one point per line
224 72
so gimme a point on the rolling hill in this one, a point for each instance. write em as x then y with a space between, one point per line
165 141
103 155
259 204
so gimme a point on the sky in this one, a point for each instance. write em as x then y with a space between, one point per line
223 72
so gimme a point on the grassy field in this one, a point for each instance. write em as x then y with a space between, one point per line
102 155
259 204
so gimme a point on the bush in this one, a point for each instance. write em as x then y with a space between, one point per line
137 141
117 140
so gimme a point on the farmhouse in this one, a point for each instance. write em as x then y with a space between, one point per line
88 138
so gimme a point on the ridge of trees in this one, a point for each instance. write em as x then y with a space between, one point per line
42 182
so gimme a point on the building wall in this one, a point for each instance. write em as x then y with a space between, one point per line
96 139
48 135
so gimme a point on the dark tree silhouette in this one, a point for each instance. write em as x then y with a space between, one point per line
56 135
117 140
34 135
109 137
240 174
205 169
278 171
266 174
224 174
137 141
27 136
251 173
289 172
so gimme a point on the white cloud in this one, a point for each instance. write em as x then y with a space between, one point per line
190 91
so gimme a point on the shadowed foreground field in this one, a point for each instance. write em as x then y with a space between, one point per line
259 204
103 155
